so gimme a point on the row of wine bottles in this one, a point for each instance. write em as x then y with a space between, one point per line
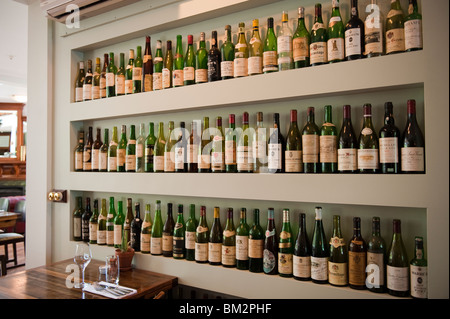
359 264
261 150
284 51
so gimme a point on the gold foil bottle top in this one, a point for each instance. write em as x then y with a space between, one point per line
284 17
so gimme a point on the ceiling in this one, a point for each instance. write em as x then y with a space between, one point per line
13 49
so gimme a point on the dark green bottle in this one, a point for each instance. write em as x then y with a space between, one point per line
179 249
122 150
419 271
215 240
191 227
318 47
202 238
302 252
77 213
178 64
255 244
336 35
158 67
286 247
137 71
111 77
413 28
227 52
397 267
376 259
328 143
229 240
189 63
130 155
311 144
201 61
149 147
93 224
230 145
338 262
157 232
320 252
242 238
301 41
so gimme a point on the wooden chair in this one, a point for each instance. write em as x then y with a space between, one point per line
11 238
2 265
20 223
4 204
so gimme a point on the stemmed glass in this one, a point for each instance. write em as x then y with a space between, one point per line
82 258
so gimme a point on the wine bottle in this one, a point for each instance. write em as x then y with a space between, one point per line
189 63
286 247
413 28
79 82
103 154
328 143
140 146
95 153
148 66
136 226
270 253
112 152
301 262
179 236
255 51
167 67
191 227
169 150
110 223
181 149
419 271
146 231
118 225
293 157
102 217
127 78
354 35
87 156
122 150
157 232
260 145
167 234
149 146
130 155
85 221
127 222
357 257
192 148
255 244
215 240
137 71
284 45
347 145
202 238
178 64
241 53
201 61
111 77
397 268
373 31
244 148
214 59
158 67
227 50
270 62
412 144
300 42
158 156
77 215
78 152
320 251
230 145
276 147
242 238
376 259
336 35
229 242
318 47
122 76
96 80
93 224
311 144
103 76
338 262
204 151
218 149
368 144
389 142
395 31
87 84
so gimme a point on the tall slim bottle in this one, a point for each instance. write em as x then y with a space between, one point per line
318 48
260 145
227 56
320 252
397 267
242 241
354 35
138 71
241 53
122 76
419 271
301 262
328 143
214 60
230 145
412 144
122 150
167 81
179 231
301 41
201 61
286 247
255 51
77 215
130 155
284 45
111 77
85 221
178 64
158 157
181 149
255 244
79 82
87 151
158 65
218 149
336 35
389 142
276 147
169 150
140 147
148 66
244 148
167 234
128 219
270 61
202 238
146 231
347 144
87 83
376 259
229 242
270 253
149 146
338 262
157 232
136 226
215 240
95 153
78 152
103 154
311 144
118 225
191 227
368 144
110 223
357 257
93 224
102 218
413 28
189 62
128 88
112 151
192 149
395 30
373 31
204 151
103 76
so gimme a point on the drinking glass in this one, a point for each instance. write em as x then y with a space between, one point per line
112 269
82 258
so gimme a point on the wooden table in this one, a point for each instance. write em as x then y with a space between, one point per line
8 219
49 282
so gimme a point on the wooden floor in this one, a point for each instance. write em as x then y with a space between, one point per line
20 257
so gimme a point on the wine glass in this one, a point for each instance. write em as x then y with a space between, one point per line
82 258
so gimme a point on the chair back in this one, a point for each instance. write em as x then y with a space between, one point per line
20 208
4 204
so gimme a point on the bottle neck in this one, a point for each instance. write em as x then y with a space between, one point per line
228 34
335 11
256 217
354 11
243 216
357 229
161 130
137 211
328 115
106 136
418 251
389 116
336 226
376 228
132 133
395 5
318 15
192 212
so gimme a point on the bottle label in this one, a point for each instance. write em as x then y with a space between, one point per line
375 270
148 81
310 148
169 165
158 163
78 160
87 166
337 242
214 252
227 68
189 73
395 40
145 242
217 160
156 245
230 152
110 79
240 67
204 161
269 261
285 263
319 268
95 92
419 281
397 278
284 44
167 242
166 78
192 155
93 231
213 67
229 255
367 158
318 52
157 81
137 74
353 42
413 34
79 94
357 268
388 149
301 266
316 26
117 235
149 151
413 159
293 161
95 158
87 91
103 87
335 49
201 75
301 49
254 65
110 237
101 237
274 156
337 273
77 227
130 164
179 157
201 251
121 157
112 164
328 149
347 159
270 62
139 150
255 248
128 87
178 77
242 247
190 240
244 158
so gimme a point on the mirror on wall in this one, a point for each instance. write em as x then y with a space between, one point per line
12 131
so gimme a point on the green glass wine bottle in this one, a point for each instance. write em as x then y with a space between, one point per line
78 152
328 143
270 253
229 241
121 76
169 150
110 223
191 227
102 217
77 213
127 222
311 144
413 28
112 151
137 71
318 47
286 247
218 149
338 262
241 53
244 149
230 145
215 240
87 151
103 154
118 225
128 85
179 231
148 66
412 143
389 142
204 151
419 271
158 157
95 152
227 50
87 84
158 67
395 30
157 232
270 62
242 238
255 51
336 35
136 228
130 154
79 81
149 146
397 266
111 77
167 235
201 61
178 64
202 238
293 153
122 150
146 231
376 259
354 35
167 70
320 251
85 221
300 42
357 257
301 263
189 63
103 76
140 147
368 144
93 224
255 244
348 145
